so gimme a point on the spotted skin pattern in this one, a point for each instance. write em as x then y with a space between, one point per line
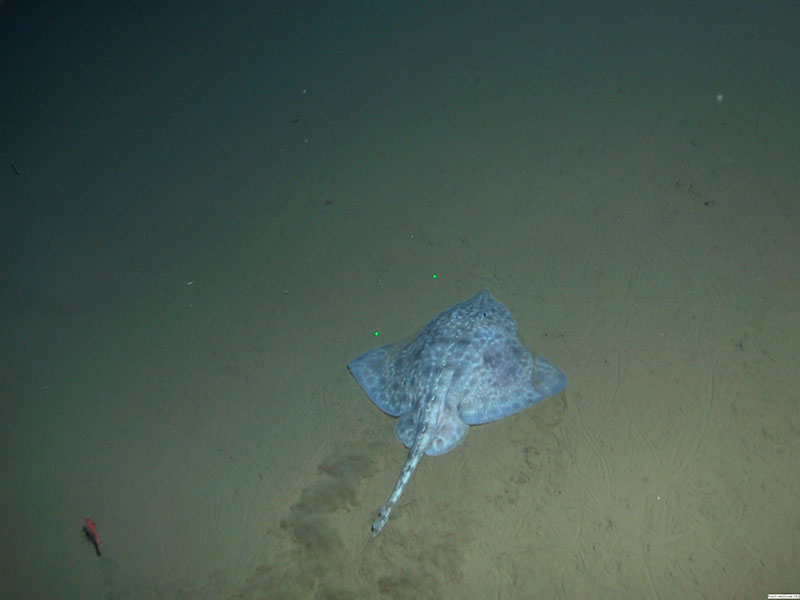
466 367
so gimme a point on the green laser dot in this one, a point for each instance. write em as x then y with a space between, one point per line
377 333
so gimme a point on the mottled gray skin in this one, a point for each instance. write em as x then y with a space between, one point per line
466 367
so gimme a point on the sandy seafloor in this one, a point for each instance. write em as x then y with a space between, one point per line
207 211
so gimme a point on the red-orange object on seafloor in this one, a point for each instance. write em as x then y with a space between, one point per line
90 531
